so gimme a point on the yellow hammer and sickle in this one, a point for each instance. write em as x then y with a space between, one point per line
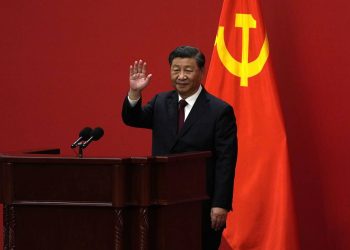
243 69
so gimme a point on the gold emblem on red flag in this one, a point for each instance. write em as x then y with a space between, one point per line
243 69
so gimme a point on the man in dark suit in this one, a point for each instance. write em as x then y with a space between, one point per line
206 124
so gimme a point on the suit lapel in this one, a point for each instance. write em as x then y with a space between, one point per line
172 103
198 110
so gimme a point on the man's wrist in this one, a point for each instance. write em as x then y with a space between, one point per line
134 95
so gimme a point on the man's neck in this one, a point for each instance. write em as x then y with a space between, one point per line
195 94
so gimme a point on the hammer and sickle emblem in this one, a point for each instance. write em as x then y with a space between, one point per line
243 69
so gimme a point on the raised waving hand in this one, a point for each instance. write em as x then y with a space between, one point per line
138 79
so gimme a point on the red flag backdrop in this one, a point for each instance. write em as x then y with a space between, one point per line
240 73
64 66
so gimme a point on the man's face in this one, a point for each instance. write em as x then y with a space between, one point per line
186 76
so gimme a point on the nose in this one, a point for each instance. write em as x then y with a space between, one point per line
182 75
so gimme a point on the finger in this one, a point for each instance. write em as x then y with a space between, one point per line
216 225
139 66
131 69
148 79
135 67
144 68
213 224
218 222
214 221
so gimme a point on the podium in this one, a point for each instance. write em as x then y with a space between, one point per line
149 203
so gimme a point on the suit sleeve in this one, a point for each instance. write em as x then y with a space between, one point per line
225 154
138 116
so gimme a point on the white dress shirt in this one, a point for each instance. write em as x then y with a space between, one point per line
191 101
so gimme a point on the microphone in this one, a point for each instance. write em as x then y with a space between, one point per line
83 136
95 135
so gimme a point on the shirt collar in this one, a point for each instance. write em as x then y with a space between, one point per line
192 99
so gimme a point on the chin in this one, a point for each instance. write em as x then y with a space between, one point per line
181 88
182 91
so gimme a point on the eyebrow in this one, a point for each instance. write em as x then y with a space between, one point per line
185 66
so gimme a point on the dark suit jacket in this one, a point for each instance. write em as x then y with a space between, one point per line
210 126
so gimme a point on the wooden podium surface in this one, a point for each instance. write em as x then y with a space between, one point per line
65 203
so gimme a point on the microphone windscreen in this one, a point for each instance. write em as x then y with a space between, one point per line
85 133
97 133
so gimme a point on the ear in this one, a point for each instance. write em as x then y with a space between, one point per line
201 74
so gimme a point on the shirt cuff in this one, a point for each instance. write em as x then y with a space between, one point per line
133 102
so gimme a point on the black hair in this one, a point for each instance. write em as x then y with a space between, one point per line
188 52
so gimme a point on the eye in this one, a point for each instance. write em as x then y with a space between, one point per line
188 69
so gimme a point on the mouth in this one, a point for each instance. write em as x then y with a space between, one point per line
182 83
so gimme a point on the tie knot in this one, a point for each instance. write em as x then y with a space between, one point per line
182 104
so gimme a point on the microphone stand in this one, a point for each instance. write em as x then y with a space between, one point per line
80 153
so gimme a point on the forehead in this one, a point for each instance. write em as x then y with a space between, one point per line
184 62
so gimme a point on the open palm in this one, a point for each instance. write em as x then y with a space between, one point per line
138 76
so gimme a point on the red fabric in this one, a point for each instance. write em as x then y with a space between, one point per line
263 211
